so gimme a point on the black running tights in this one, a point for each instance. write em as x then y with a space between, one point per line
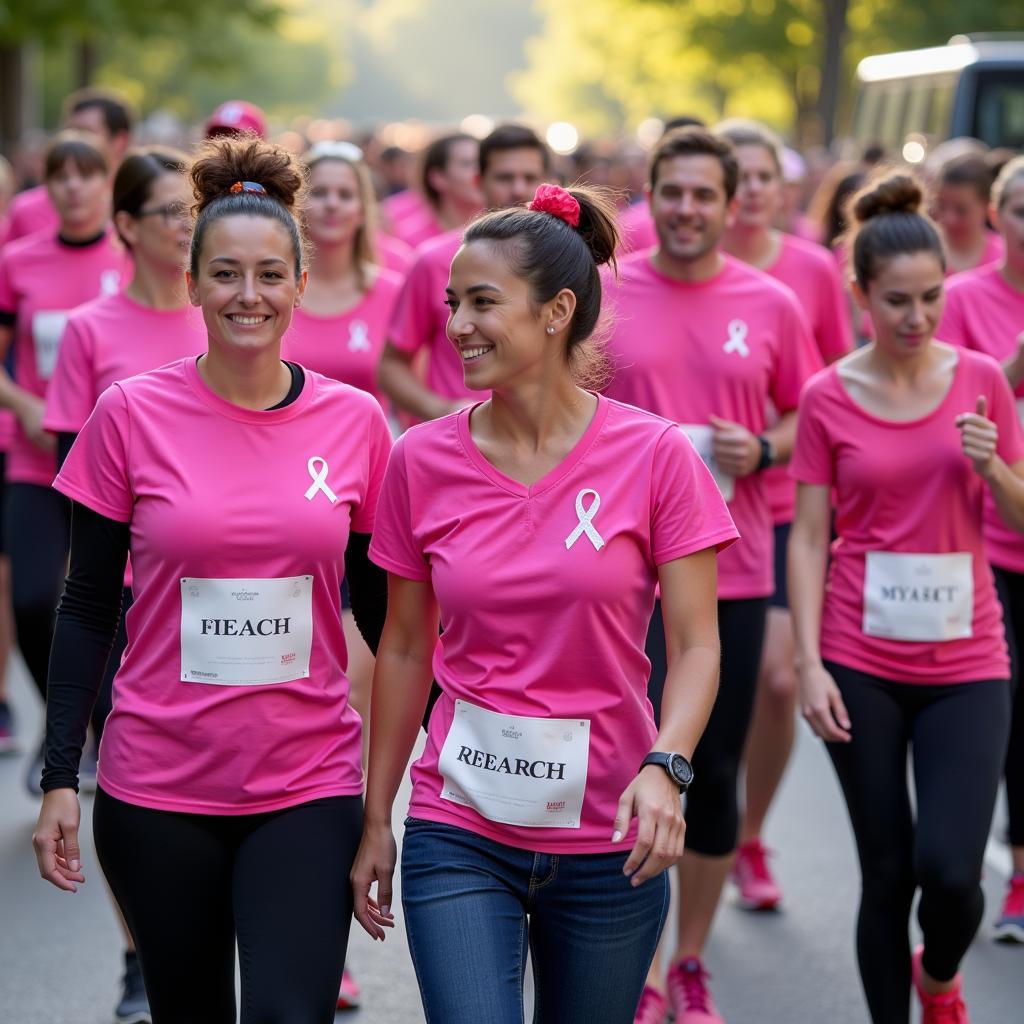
956 737
1011 592
190 885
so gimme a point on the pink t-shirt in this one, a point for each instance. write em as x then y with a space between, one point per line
637 227
346 347
418 228
231 697
393 254
396 208
810 271
421 317
985 314
545 593
907 488
30 213
41 280
993 251
722 347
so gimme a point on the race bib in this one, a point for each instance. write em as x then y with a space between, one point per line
530 772
246 632
47 330
702 437
918 597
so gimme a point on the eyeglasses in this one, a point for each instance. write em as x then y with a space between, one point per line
172 213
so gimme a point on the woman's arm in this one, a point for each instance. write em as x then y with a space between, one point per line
401 682
979 437
28 408
367 589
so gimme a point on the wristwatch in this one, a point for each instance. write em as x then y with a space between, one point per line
767 454
680 771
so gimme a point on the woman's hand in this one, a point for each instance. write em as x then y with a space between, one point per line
822 704
375 862
30 416
56 839
979 437
654 799
737 450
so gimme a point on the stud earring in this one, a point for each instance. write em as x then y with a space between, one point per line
551 329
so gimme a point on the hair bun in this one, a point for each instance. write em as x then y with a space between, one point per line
224 160
598 222
897 193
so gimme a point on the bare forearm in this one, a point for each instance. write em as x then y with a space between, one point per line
1008 492
399 382
690 690
807 562
782 438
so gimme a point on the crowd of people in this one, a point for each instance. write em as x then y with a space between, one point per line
597 468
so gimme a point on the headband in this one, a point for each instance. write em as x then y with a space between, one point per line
248 186
337 149
554 200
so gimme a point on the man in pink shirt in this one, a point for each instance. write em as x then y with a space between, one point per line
104 114
708 342
513 162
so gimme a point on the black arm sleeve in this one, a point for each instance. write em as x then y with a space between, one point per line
367 589
64 442
87 620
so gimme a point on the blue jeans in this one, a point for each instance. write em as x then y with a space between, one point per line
474 907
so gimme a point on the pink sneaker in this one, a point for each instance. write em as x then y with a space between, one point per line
653 1007
350 995
758 890
1010 926
688 993
947 1008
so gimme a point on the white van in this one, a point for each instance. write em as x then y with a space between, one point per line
913 100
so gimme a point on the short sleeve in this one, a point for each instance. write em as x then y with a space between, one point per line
413 322
952 327
71 394
378 444
96 471
798 356
812 461
394 546
832 331
1003 413
688 513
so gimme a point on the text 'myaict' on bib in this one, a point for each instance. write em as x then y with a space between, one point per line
919 597
530 772
246 632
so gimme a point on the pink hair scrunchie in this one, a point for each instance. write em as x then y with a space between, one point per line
555 200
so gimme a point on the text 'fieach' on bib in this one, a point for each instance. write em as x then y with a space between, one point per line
530 772
702 437
246 632
918 597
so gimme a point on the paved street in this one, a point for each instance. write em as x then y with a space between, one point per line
60 954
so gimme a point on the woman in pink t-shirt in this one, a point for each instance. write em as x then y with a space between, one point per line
961 212
42 277
536 526
811 273
904 651
243 486
985 312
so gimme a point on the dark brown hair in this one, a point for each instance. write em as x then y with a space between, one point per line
133 183
435 158
971 169
225 160
512 136
550 255
117 115
696 141
83 149
887 222
741 132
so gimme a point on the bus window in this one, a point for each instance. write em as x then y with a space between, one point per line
915 117
943 91
999 108
891 115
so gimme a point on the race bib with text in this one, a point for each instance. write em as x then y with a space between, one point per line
47 331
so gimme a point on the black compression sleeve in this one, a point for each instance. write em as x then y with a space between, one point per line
367 588
65 439
87 619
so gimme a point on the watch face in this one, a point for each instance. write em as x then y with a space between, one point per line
680 769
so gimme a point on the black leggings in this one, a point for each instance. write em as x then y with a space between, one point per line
712 802
956 735
38 525
1011 592
190 885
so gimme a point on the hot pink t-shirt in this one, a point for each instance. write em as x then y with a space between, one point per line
396 208
540 618
810 271
985 314
907 488
421 316
637 227
346 347
722 347
41 280
393 254
993 251
418 228
30 213
239 523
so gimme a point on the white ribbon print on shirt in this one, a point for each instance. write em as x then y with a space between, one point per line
586 521
319 478
358 336
737 339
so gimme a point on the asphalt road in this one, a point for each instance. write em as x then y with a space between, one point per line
60 953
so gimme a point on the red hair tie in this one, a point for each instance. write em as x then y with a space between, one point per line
555 200
248 186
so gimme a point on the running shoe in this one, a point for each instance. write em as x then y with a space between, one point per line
752 876
350 995
653 1007
946 1008
688 993
1010 926
134 1005
9 743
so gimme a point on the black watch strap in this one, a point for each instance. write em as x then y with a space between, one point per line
767 454
677 767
